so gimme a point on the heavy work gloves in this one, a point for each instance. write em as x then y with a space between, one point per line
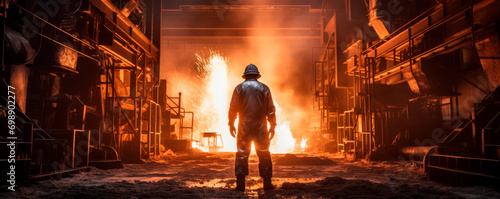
271 132
232 130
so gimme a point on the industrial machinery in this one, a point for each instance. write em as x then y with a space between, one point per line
412 80
85 78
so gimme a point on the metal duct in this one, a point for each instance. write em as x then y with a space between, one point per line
432 76
379 25
129 8
18 52
416 79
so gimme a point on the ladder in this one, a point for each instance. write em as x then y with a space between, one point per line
151 135
346 132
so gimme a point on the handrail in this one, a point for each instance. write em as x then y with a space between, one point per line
176 105
121 108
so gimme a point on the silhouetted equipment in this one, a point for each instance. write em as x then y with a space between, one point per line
406 80
411 87
175 111
472 150
87 80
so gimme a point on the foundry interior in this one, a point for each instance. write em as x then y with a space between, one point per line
374 98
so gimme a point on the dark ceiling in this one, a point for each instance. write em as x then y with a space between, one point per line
241 19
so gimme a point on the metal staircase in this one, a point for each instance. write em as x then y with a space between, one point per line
21 143
470 154
26 135
177 112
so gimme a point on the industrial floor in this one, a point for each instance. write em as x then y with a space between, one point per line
211 175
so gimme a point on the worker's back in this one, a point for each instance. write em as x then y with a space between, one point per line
253 101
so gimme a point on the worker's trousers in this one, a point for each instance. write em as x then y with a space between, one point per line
244 144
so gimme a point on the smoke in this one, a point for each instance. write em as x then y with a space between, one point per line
283 58
286 69
285 64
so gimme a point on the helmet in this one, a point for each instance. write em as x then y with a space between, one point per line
251 70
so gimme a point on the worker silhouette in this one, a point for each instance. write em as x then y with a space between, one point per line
253 103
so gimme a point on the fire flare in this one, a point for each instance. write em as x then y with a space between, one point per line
283 141
217 91
214 104
303 143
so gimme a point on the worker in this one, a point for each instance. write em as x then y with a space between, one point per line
253 103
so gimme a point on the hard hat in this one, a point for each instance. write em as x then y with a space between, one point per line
251 70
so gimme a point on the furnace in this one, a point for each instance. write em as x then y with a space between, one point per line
396 98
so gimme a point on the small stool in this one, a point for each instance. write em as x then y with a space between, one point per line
210 140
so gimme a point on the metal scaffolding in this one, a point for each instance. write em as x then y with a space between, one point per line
124 88
352 111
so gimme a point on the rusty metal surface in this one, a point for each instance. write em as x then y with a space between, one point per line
488 48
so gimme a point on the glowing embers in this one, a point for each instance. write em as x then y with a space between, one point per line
213 109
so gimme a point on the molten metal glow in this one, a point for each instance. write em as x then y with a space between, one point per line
218 94
216 104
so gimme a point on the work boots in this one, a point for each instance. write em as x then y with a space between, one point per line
240 183
268 185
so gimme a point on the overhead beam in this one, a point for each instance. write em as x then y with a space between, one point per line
239 20
175 4
242 37
241 33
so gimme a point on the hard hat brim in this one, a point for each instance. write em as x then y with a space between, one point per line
251 73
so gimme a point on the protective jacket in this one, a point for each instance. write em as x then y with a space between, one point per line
253 103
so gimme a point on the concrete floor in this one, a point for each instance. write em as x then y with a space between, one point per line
211 175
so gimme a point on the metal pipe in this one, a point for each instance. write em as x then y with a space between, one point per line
113 102
373 107
142 100
416 151
150 119
180 100
376 21
314 72
410 54
181 123
399 30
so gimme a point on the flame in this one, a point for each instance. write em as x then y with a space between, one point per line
210 97
283 141
303 144
218 97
